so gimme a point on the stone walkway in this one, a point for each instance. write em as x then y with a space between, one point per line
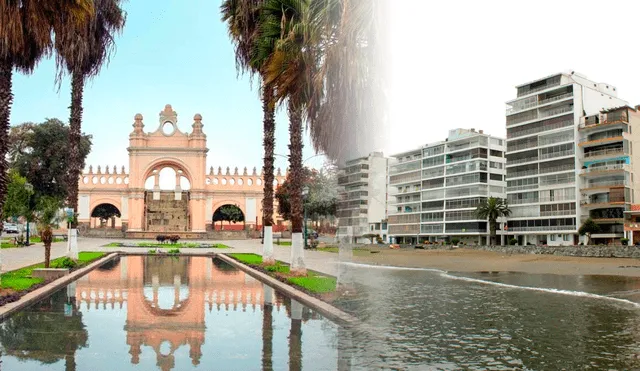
15 258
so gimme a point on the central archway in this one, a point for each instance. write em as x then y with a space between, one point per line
167 194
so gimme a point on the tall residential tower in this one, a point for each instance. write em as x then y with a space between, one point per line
546 186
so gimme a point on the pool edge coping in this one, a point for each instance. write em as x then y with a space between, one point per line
326 309
38 294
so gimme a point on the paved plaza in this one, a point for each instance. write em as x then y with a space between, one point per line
15 258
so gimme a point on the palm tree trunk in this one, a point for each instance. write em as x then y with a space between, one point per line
295 168
6 98
75 125
493 232
269 142
295 178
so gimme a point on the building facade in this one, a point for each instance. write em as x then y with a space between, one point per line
608 169
555 149
434 190
363 197
188 208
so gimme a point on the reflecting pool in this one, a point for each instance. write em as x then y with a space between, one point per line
187 313
159 313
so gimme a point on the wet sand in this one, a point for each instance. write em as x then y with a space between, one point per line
467 260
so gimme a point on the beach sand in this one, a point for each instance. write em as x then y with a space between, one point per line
468 260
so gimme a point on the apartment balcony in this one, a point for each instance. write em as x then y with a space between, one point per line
467 230
606 120
609 152
405 178
522 146
520 174
601 203
599 170
586 142
538 129
556 169
540 103
595 184
558 213
524 201
411 229
532 116
522 187
521 161
550 155
541 85
632 227
556 199
568 228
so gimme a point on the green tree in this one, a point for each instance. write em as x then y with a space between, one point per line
104 212
588 228
321 200
492 209
242 19
17 198
26 32
48 217
81 51
42 156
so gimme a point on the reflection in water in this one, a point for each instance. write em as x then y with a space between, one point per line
171 314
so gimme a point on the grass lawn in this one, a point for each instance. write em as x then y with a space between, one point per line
36 239
20 279
184 245
248 258
313 282
283 243
7 245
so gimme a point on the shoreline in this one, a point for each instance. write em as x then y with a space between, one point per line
477 261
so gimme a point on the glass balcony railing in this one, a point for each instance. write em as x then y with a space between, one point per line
538 129
546 156
598 169
542 102
543 228
606 183
605 152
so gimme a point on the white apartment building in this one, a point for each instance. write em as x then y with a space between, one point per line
363 198
545 157
435 189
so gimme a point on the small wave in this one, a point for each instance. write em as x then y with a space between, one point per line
446 274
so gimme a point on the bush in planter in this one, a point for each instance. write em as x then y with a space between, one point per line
455 241
513 241
65 263
624 241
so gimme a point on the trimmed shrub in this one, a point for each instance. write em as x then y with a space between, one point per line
624 241
64 263
455 241
513 241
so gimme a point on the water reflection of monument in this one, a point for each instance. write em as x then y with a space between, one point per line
166 321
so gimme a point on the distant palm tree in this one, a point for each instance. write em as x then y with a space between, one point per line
242 18
492 209
26 29
81 51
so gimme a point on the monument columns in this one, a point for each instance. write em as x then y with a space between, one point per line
197 208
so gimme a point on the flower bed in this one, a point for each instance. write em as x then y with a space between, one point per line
18 282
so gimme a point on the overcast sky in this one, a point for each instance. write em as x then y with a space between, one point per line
454 64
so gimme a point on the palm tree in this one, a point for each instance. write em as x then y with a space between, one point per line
288 44
81 51
242 18
26 28
492 209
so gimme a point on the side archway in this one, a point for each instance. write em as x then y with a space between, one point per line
106 215
230 213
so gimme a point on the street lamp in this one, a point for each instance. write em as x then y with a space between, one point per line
305 193
29 187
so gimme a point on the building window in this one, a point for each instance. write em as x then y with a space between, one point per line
552 237
495 153
495 176
566 237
